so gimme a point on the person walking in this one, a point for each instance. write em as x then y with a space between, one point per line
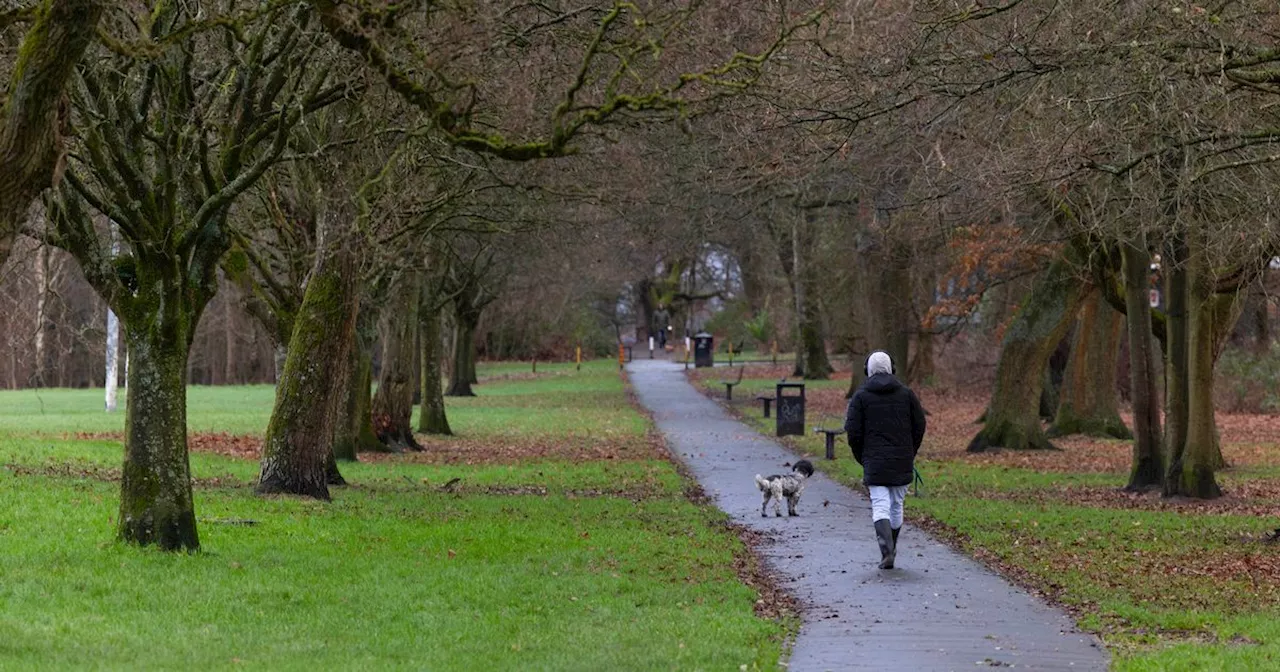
661 325
885 425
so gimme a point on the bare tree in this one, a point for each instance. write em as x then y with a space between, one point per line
164 149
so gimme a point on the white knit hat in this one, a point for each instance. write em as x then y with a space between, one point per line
879 362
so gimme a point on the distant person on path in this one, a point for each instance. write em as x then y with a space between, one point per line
661 322
885 424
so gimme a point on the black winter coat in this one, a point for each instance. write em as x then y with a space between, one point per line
885 424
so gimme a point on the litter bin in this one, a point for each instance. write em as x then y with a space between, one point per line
703 351
789 417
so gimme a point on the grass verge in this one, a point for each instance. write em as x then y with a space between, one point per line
529 562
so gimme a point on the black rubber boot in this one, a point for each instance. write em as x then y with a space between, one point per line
884 536
895 539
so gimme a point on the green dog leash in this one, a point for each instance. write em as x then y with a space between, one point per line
919 483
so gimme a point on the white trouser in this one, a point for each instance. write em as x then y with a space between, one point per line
886 502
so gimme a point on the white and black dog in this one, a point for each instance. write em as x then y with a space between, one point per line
790 485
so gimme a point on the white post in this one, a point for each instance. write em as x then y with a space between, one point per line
113 358
42 294
113 339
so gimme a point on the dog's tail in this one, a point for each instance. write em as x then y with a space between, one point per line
761 483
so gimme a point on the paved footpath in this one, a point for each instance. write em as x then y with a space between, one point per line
938 611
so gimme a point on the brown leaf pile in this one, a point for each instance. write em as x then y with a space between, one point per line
514 449
248 447
104 474
242 446
447 450
774 602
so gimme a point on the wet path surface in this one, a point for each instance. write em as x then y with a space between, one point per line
938 611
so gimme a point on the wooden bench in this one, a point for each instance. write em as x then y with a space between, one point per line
768 402
729 384
831 435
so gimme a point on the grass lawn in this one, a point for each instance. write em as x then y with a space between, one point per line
1168 585
568 544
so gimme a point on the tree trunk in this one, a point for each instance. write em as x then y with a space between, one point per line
113 361
1191 472
1211 317
1260 317
112 380
33 120
42 300
463 360
925 280
155 490
432 418
644 299
393 403
755 279
279 355
920 369
1176 373
298 450
811 353
346 434
893 300
229 344
466 317
1148 461
366 437
1013 417
354 433
813 343
1087 400
1054 374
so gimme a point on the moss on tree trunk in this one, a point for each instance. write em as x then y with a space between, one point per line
432 418
392 408
298 450
1147 469
155 491
1087 401
1013 416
